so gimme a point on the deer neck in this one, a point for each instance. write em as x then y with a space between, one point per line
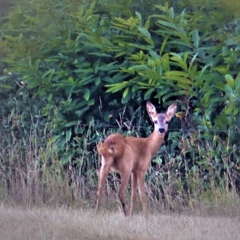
154 141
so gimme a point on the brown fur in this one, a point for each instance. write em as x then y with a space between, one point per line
113 146
132 156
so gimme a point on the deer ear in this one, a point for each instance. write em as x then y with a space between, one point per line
171 110
151 109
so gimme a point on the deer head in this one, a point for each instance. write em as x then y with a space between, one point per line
161 120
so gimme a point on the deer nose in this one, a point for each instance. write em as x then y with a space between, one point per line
161 130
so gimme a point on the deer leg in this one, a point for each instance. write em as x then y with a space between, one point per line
133 192
141 189
124 181
102 178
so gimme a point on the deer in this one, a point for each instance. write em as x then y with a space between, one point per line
131 157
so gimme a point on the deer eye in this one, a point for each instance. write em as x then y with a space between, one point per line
155 122
167 122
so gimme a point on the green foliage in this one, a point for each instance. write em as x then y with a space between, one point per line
52 53
78 63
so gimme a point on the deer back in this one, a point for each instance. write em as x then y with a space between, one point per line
114 145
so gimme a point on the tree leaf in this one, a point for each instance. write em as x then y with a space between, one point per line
230 80
87 94
195 38
163 45
125 93
148 94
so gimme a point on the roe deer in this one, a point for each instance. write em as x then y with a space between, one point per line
132 156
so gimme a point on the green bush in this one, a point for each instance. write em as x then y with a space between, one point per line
80 70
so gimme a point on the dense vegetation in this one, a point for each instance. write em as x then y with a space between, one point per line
74 71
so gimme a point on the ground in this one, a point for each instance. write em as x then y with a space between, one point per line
62 223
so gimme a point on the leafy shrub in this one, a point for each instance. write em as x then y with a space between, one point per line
85 67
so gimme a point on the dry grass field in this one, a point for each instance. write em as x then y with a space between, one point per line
63 224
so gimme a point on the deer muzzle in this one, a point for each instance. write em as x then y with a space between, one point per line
161 130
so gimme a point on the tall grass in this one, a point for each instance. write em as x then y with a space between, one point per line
32 173
197 180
